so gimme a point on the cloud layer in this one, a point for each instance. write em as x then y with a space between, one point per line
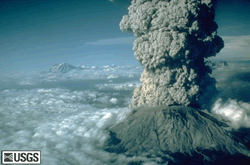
66 118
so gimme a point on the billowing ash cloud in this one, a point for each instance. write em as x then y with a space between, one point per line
173 38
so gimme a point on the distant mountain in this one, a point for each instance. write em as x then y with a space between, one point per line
63 68
221 64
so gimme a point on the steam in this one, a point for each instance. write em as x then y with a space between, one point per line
172 39
235 111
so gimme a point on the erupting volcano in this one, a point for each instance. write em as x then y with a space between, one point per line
171 116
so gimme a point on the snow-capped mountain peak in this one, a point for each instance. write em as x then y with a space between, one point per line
62 67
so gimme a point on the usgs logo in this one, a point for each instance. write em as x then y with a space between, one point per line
21 157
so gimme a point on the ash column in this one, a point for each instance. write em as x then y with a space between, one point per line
173 37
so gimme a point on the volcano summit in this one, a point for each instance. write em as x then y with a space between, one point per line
173 38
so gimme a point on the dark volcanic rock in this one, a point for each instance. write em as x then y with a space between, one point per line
176 134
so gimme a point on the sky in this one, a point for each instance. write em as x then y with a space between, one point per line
36 34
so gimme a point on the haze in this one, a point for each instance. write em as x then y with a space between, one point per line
35 35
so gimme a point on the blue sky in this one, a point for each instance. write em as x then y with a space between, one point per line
36 34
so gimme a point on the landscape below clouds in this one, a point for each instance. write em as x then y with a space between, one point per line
66 114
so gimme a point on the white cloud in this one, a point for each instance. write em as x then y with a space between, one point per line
113 41
120 86
67 132
67 126
236 111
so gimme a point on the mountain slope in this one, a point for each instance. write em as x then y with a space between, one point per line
175 134
63 68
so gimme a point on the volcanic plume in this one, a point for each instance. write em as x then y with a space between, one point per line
173 38
170 121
